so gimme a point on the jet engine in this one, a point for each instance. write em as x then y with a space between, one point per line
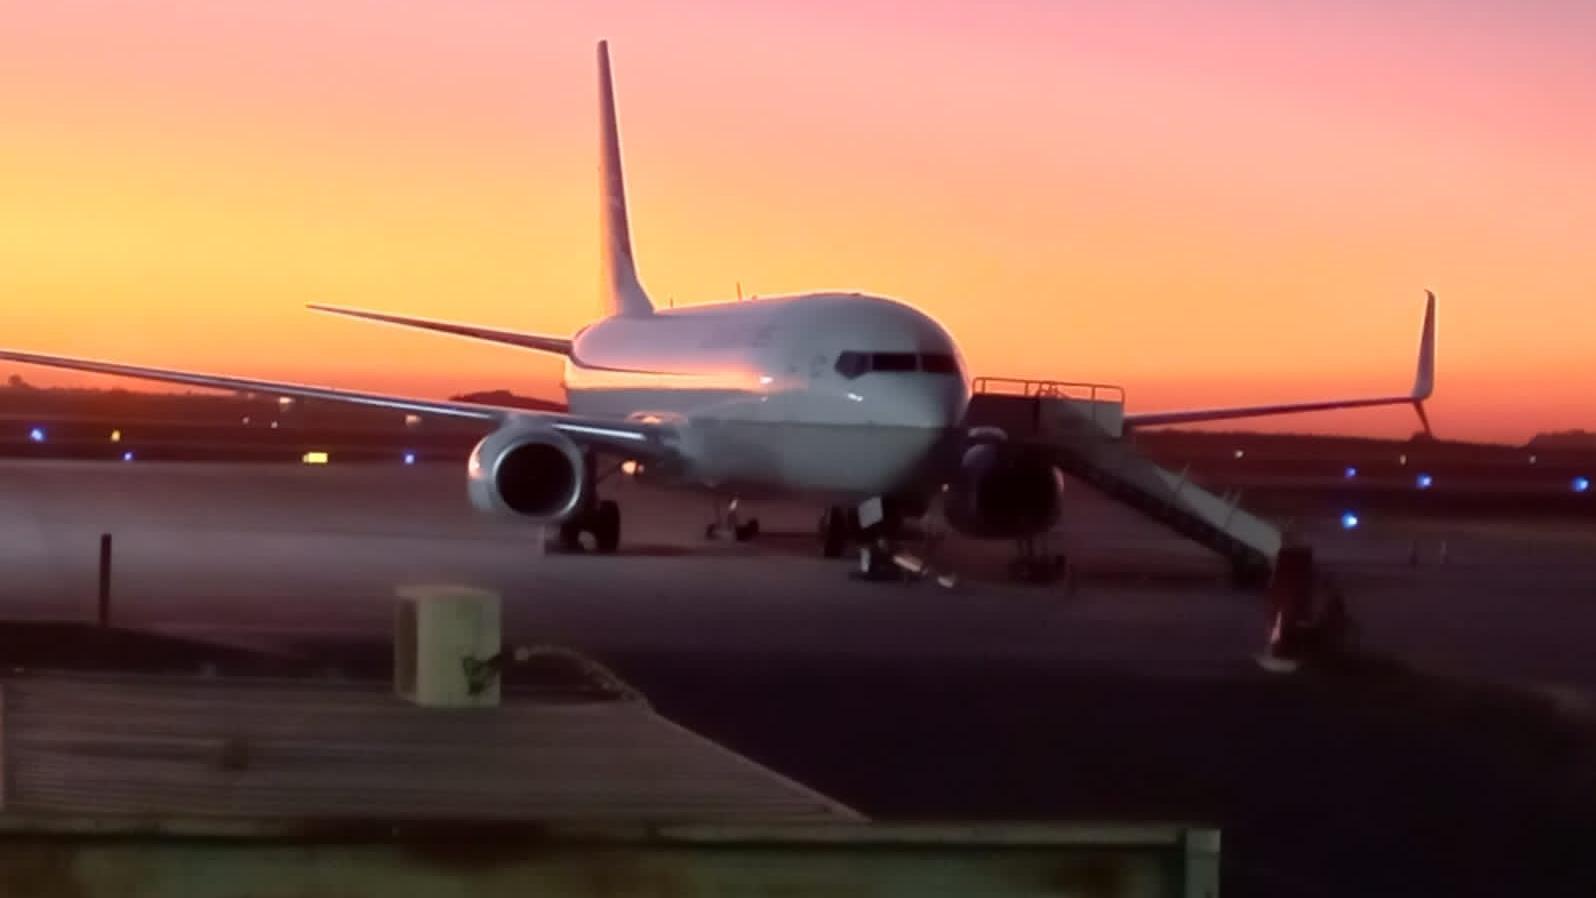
530 472
1004 491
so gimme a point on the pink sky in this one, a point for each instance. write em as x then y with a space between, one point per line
1211 203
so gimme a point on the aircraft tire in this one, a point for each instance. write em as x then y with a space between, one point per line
607 526
571 535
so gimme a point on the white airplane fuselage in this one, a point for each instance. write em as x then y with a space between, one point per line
834 394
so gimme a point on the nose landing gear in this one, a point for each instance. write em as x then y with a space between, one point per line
878 525
838 525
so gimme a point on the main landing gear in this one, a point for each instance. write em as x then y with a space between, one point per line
598 518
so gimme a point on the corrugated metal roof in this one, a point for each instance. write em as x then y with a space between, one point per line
312 750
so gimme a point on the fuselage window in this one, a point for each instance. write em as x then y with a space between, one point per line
939 363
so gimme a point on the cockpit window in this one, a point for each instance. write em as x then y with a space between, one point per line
854 364
893 361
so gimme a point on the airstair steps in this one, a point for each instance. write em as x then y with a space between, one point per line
1081 426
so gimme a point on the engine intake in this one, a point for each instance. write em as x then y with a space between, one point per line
1005 491
527 472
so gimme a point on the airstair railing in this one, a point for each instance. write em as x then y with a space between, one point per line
1097 396
1048 389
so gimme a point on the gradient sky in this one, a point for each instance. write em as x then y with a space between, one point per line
1211 203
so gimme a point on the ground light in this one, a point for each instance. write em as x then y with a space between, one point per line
1350 472
128 455
1349 520
36 434
1581 484
314 458
1423 481
410 458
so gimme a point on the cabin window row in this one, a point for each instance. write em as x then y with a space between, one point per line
854 364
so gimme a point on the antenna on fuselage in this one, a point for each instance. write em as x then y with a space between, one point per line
739 291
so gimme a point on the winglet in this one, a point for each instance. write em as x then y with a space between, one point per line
1424 378
618 285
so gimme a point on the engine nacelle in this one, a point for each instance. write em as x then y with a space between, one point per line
1004 491
527 472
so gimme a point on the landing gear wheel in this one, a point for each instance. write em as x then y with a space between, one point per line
833 532
607 526
571 535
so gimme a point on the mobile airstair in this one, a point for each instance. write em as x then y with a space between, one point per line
1083 426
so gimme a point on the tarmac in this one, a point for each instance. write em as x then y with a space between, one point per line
288 553
1453 755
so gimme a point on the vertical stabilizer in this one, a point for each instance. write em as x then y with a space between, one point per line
618 285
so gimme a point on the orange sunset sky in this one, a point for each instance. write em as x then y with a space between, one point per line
1211 203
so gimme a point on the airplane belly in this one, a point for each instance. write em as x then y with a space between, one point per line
759 457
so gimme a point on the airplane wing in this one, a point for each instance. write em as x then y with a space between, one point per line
1423 387
628 437
556 345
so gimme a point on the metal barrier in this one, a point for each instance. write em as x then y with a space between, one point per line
1048 389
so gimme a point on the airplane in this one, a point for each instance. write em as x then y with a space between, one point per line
853 400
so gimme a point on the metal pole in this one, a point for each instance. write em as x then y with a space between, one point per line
105 580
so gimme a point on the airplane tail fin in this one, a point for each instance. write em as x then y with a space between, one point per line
618 285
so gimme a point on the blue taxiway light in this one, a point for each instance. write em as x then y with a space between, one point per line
128 455
1349 521
1350 472
1581 484
1424 481
36 434
410 458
